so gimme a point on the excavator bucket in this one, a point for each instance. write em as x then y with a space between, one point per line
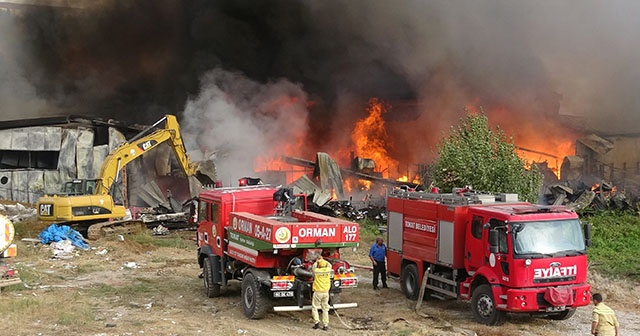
205 172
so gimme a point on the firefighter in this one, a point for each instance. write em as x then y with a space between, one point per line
321 285
604 321
377 254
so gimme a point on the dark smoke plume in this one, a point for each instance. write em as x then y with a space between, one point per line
137 60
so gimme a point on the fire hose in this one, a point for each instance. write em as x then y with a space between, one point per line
338 315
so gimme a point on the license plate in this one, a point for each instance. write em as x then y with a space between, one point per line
282 294
556 309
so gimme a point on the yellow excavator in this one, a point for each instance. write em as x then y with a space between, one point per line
97 203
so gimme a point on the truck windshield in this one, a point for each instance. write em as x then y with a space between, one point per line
548 238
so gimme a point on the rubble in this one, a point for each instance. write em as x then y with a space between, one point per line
18 212
160 230
602 196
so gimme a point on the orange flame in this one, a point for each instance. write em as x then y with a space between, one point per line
371 139
537 138
405 178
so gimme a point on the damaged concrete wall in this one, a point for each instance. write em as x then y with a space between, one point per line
615 159
77 158
623 159
28 183
25 185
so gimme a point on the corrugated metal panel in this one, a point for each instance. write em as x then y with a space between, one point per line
6 179
35 184
53 138
67 159
52 182
20 186
5 139
115 139
35 138
99 154
19 139
84 153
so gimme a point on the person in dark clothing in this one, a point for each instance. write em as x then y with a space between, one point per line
377 254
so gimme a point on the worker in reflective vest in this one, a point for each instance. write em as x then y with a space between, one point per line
321 285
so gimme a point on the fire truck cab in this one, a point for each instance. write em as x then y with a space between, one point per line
501 254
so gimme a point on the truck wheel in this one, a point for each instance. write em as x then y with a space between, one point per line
211 289
562 315
255 301
484 307
409 281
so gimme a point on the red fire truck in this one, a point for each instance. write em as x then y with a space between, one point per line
252 234
501 254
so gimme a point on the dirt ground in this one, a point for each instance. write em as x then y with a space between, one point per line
132 288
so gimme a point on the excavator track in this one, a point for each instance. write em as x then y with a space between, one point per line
103 229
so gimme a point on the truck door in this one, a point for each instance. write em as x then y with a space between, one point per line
210 229
218 231
477 243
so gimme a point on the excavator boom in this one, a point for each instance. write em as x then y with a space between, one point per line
100 204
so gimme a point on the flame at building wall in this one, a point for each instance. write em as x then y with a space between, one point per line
371 140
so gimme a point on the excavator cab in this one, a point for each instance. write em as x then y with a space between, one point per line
80 187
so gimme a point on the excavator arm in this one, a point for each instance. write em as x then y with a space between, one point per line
142 143
89 208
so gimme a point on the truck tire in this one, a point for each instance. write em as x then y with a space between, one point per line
211 289
409 281
255 302
562 315
484 308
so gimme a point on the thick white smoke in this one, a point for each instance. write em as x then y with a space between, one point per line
238 120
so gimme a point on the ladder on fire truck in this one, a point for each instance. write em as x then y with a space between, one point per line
457 198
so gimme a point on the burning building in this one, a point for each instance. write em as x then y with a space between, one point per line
251 82
614 159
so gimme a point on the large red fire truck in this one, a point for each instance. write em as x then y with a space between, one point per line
501 254
252 234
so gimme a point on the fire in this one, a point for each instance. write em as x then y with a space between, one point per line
538 138
405 178
371 140
351 185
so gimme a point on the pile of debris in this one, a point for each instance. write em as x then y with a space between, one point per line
367 209
602 196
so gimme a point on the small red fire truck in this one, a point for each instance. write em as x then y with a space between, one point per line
251 234
501 254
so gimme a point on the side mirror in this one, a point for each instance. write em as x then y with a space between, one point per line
493 241
587 234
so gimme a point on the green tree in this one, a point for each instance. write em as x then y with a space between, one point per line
486 159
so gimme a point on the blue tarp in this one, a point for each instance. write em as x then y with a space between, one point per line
55 233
